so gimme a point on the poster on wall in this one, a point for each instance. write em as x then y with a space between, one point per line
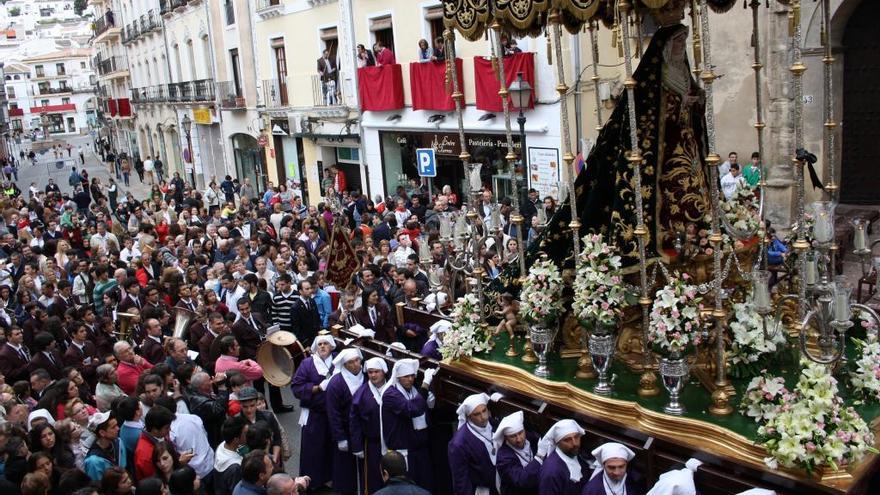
544 171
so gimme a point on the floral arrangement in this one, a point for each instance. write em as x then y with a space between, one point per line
750 349
697 239
815 429
467 334
599 293
865 377
764 396
541 295
808 233
675 321
740 213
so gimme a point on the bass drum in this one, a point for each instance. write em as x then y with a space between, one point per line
279 356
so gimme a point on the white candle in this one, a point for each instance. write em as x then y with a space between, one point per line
762 293
496 217
542 215
822 230
841 304
860 241
812 273
445 227
424 250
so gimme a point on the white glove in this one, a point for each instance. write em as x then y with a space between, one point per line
496 397
324 384
544 448
429 376
342 446
359 455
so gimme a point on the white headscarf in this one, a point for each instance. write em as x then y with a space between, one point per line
758 491
353 381
376 363
440 326
322 365
511 425
395 345
40 413
605 452
361 332
468 405
678 481
557 432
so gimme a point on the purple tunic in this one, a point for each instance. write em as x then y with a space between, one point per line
470 463
316 448
555 480
596 487
516 479
364 426
431 349
345 475
397 415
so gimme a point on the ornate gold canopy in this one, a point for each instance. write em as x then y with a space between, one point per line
471 18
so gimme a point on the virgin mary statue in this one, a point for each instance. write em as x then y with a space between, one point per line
671 138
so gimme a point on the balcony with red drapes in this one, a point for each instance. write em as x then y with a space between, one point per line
427 83
381 88
67 107
123 105
487 85
112 107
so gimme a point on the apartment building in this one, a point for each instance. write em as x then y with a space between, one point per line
54 93
376 147
114 80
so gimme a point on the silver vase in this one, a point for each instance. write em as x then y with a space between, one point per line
542 341
674 371
601 345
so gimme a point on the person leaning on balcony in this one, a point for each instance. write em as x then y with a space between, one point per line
424 51
439 54
384 55
364 57
327 67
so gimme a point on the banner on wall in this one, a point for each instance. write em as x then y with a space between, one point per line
202 116
544 171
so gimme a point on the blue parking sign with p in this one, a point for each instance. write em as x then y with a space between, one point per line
426 162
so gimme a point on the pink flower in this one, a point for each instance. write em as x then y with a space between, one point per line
810 446
685 276
605 306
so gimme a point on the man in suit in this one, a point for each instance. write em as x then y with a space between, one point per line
46 355
306 320
14 356
133 298
328 72
345 314
152 348
207 350
315 243
82 354
375 315
261 300
63 299
250 331
185 300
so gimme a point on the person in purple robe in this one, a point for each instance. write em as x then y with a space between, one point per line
366 443
404 421
309 386
517 465
472 451
563 472
431 348
347 379
610 476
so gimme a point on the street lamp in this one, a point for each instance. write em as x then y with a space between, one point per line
520 94
187 129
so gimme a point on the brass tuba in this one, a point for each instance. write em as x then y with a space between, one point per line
124 333
182 318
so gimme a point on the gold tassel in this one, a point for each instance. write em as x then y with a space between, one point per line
794 17
618 35
448 81
549 48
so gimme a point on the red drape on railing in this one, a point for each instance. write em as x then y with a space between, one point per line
427 83
487 86
112 107
124 106
381 88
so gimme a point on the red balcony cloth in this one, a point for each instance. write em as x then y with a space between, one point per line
112 107
67 107
381 88
16 112
427 83
487 86
124 107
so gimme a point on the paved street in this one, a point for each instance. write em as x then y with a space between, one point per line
47 166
